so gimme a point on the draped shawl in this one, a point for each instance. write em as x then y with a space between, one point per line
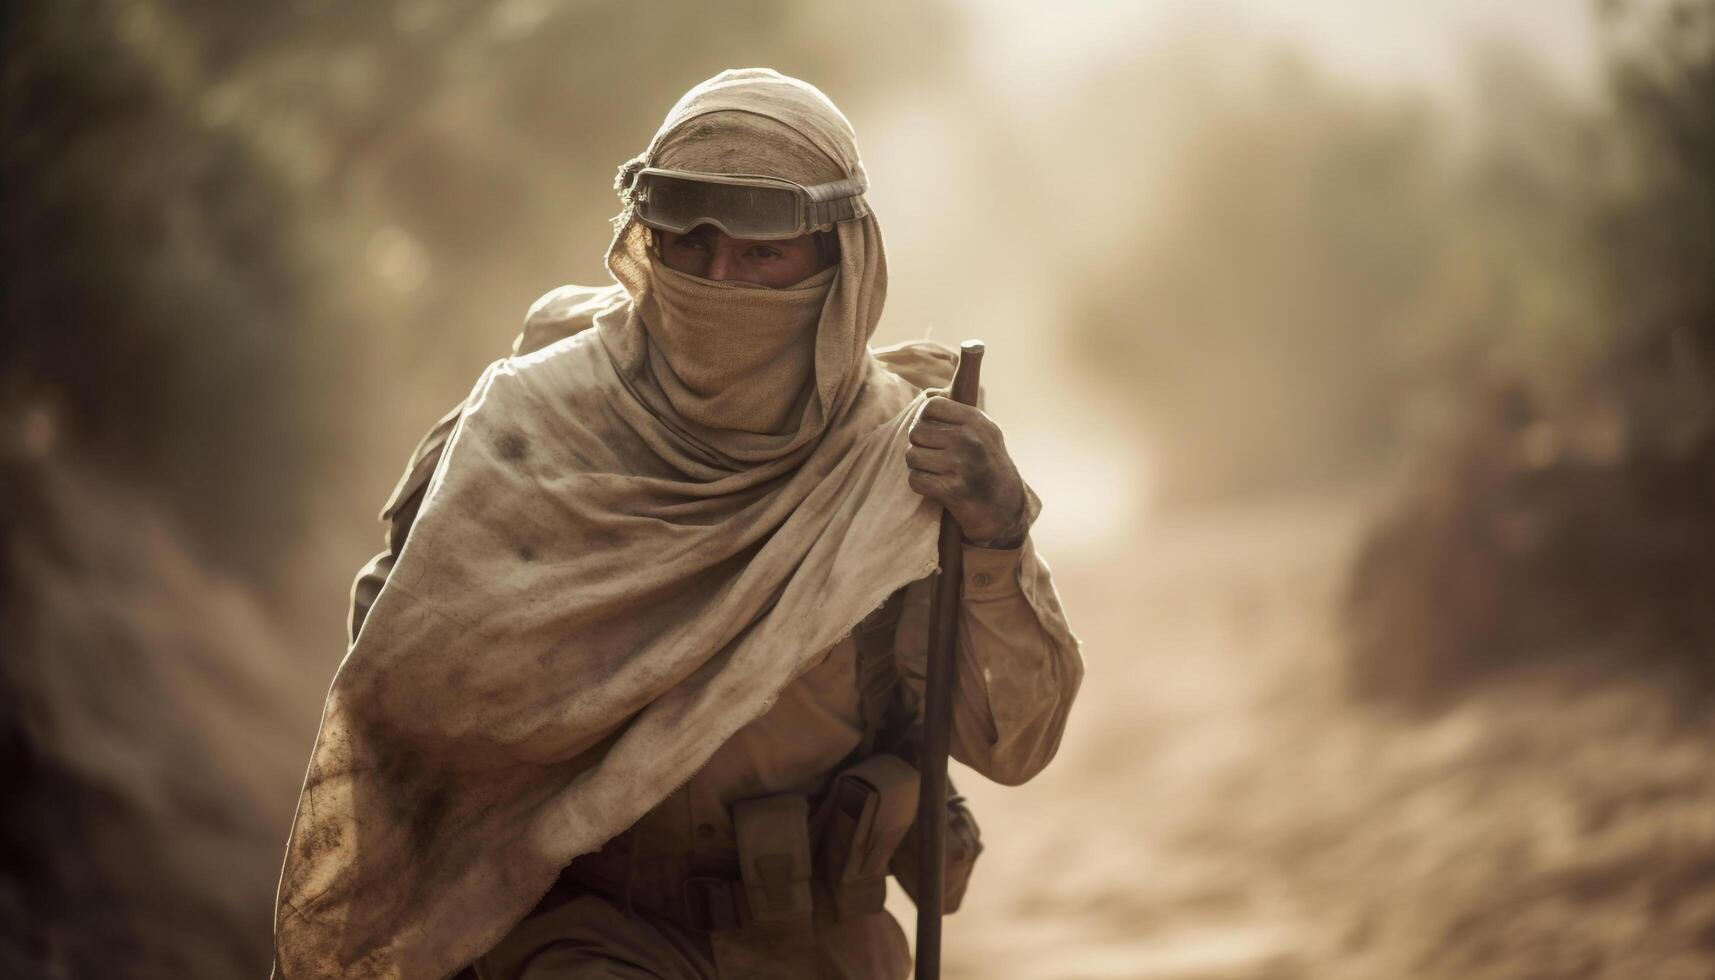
596 594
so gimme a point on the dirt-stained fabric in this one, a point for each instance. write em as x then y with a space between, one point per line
597 593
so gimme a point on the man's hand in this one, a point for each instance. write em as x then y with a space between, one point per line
959 460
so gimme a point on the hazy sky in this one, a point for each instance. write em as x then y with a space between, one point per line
1026 43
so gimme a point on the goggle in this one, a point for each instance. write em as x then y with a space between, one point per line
740 205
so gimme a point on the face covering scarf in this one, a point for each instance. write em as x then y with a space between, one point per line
733 355
619 562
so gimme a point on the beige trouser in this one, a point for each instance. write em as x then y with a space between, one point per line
589 937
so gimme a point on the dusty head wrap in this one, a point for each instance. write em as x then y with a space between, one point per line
613 570
730 355
751 121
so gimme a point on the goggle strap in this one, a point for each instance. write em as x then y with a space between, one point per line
818 213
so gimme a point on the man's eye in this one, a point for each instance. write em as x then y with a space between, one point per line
692 244
764 252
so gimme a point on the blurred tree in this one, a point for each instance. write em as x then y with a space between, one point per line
1582 524
154 291
1329 261
1659 236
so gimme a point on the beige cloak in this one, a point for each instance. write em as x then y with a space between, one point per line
597 593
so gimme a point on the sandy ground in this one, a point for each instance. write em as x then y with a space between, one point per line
1220 811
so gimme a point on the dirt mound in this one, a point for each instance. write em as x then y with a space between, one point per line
152 766
1530 539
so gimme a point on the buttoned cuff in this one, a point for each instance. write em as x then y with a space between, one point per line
991 573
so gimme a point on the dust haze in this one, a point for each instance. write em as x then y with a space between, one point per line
1361 354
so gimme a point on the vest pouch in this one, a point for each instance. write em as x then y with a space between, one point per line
774 857
963 844
866 814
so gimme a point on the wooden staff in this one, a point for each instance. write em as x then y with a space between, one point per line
938 707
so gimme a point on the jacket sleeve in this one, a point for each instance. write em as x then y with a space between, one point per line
1019 666
398 516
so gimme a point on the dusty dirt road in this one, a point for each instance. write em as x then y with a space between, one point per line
1220 811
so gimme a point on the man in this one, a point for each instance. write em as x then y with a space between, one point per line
629 692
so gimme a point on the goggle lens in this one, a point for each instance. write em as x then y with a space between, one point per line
742 211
